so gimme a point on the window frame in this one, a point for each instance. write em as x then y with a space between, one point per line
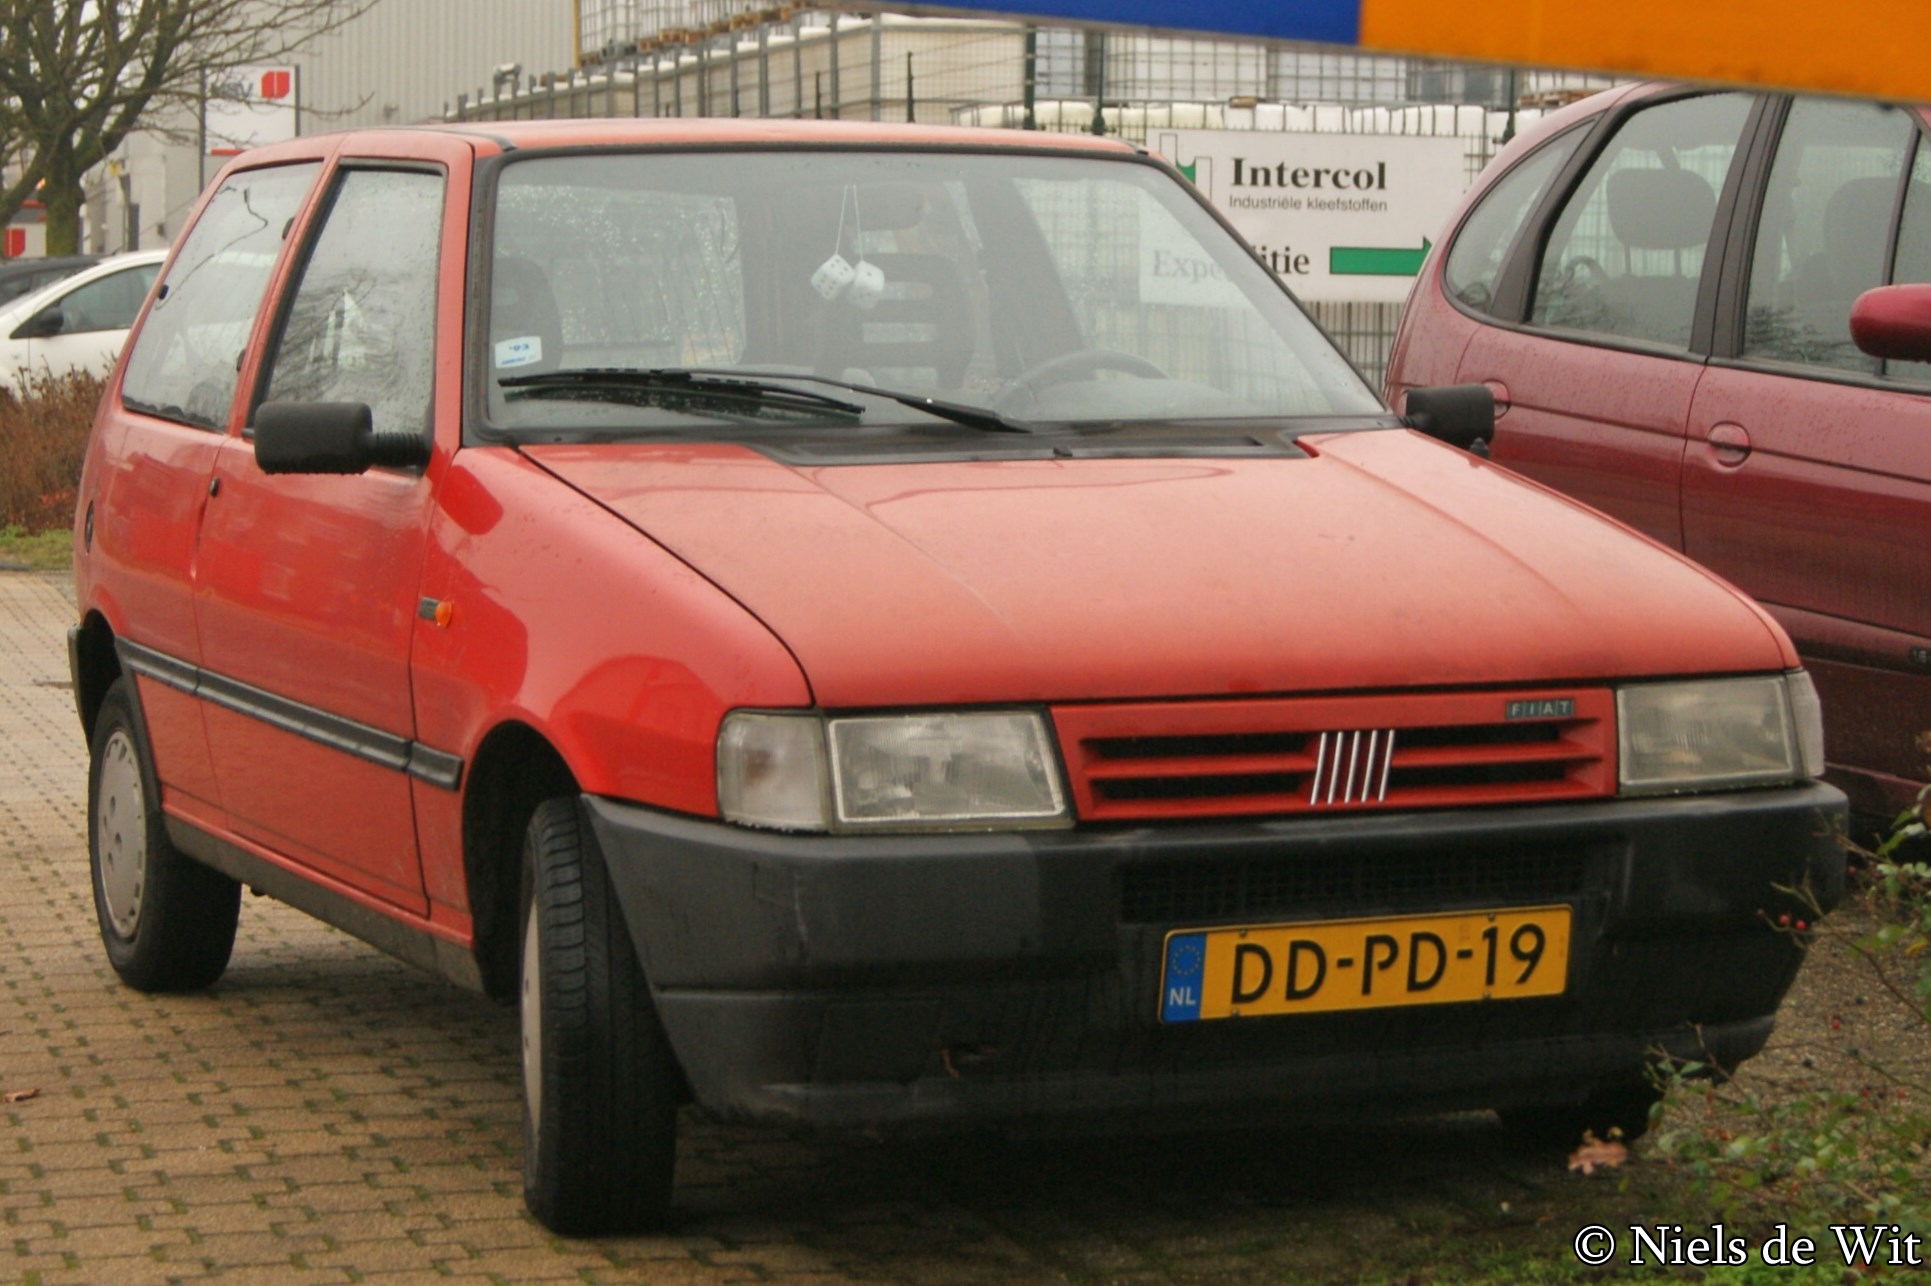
479 430
1515 284
314 222
1727 340
300 218
1503 308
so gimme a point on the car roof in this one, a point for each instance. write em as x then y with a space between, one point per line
700 132
24 267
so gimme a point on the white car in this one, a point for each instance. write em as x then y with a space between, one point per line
79 322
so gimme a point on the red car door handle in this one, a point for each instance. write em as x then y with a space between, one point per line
1729 444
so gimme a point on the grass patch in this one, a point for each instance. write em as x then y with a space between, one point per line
42 551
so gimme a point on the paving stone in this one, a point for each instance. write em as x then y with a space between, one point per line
326 1114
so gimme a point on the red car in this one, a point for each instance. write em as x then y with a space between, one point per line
1661 285
866 626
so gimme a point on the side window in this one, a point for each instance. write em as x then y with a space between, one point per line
1626 253
185 361
361 326
1913 263
110 303
1481 246
1820 240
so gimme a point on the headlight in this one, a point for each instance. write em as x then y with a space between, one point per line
940 771
1715 733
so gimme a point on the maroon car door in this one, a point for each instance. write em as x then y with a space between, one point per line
307 592
1598 383
173 402
1808 479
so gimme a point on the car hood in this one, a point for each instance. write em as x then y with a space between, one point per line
1380 560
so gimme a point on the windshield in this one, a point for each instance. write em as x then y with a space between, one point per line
1043 289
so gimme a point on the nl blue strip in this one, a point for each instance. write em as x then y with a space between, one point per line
1333 22
1181 978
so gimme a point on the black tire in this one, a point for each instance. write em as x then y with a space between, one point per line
1620 1111
601 1086
167 921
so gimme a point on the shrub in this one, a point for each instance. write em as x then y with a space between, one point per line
43 438
1850 1141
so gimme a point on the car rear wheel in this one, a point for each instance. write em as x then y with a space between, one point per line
167 921
601 1086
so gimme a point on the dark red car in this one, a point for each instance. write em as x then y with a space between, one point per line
1659 284
871 626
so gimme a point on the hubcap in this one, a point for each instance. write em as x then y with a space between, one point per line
120 834
532 1011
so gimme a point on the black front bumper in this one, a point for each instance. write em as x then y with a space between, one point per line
856 980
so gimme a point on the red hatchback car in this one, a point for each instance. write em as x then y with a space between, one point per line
866 626
1661 287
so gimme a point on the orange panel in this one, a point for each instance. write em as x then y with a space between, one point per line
1874 48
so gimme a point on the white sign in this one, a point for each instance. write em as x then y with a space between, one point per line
1337 216
249 106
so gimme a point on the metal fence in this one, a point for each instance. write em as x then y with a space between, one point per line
729 60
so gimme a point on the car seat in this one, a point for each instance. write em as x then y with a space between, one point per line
525 328
1659 210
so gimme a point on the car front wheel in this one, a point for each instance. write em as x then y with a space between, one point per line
601 1086
167 921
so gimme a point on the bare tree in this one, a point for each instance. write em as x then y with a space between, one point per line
77 76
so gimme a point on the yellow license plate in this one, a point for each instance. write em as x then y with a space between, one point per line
1331 965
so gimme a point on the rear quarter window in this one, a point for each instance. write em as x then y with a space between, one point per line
1481 246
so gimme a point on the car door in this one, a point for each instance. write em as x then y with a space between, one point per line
165 421
83 329
306 593
1808 478
1598 379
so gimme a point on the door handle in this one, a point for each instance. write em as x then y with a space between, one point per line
1729 445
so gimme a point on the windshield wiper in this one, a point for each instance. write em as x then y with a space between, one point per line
972 417
674 384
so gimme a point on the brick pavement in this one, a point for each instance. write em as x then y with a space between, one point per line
326 1114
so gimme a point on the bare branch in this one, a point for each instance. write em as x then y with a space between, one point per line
77 76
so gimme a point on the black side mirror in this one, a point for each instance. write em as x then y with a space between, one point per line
1462 415
329 437
45 324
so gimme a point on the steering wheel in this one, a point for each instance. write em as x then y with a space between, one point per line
1082 361
1582 265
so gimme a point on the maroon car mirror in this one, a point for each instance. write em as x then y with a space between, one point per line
1894 322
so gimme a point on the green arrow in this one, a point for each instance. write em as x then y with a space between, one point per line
1376 261
1188 171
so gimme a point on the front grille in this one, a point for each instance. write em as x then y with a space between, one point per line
1152 761
1194 891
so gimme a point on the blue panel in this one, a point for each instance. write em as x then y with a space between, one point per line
1336 22
1181 978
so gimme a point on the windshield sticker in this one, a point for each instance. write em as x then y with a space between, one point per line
521 351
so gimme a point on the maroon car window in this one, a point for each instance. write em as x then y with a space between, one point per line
185 362
1475 260
1826 220
1626 253
1913 261
362 325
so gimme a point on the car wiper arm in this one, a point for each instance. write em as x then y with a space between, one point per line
973 417
681 381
